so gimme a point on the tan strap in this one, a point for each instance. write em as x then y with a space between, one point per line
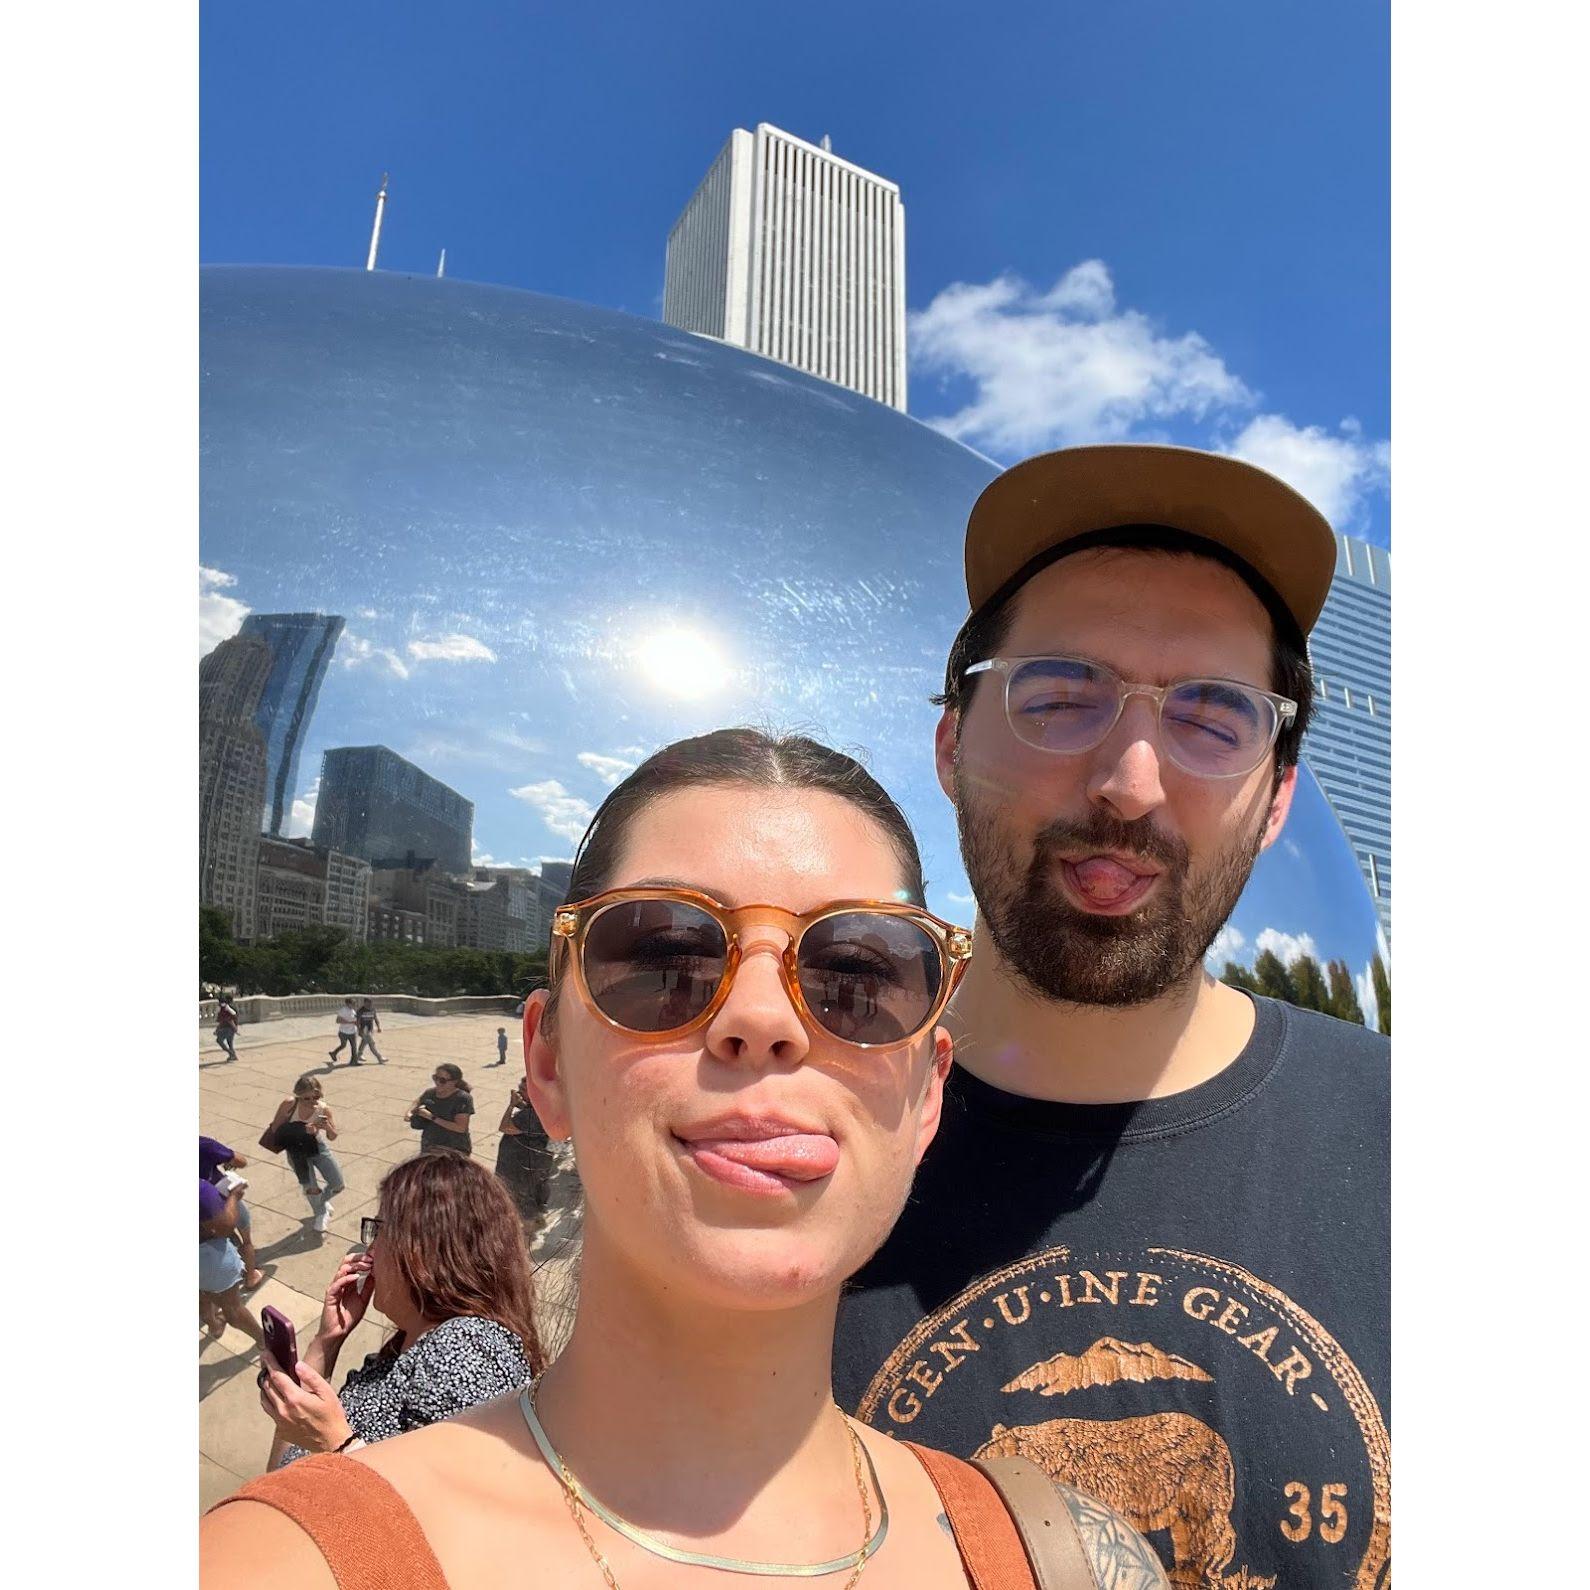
985 1534
367 1533
1048 1531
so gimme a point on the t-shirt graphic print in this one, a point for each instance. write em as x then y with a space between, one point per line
1179 1306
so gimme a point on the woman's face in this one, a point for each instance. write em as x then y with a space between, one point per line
645 1114
312 1094
386 1280
443 1084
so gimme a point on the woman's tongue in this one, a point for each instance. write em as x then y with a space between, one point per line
802 1156
1101 880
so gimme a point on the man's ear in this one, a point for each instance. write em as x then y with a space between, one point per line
944 751
933 1100
1280 805
542 1079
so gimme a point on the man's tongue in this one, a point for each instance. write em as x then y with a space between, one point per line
1103 880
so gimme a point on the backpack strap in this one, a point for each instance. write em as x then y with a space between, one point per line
1048 1529
985 1533
367 1533
1012 1526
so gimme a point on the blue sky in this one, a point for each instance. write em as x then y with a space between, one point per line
1150 220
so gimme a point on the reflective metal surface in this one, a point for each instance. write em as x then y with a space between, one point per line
562 535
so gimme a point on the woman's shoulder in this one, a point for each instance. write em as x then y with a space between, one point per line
473 1336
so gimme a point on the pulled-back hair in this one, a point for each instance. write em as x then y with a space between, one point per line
455 1075
451 1229
739 756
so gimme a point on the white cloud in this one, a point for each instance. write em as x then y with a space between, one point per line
219 615
1228 943
610 769
366 612
302 821
1065 366
564 814
1335 472
451 648
1287 947
355 652
1364 982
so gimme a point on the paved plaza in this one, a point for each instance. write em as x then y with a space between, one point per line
370 1102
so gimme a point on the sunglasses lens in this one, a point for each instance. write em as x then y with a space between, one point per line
870 977
653 965
1217 728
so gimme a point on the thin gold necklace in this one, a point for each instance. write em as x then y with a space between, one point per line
577 1497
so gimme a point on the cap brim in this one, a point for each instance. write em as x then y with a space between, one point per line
1045 501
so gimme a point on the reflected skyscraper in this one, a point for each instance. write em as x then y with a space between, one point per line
231 777
1349 742
379 806
301 645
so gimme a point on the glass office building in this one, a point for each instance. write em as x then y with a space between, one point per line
301 645
1349 743
378 806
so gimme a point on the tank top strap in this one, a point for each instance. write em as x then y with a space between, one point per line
367 1533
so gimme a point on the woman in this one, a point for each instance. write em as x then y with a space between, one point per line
221 1268
445 1261
524 1156
302 1127
749 1065
226 1028
441 1113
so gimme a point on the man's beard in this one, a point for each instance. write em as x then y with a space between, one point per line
1064 953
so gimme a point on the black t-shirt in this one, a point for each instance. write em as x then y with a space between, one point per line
1180 1305
457 1104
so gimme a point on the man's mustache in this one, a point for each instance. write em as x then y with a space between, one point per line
1102 833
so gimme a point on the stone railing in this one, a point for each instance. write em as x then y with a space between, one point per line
269 1007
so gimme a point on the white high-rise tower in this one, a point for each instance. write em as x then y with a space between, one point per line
791 252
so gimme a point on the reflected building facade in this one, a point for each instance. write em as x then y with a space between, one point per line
301 645
232 777
1349 741
798 255
379 806
302 885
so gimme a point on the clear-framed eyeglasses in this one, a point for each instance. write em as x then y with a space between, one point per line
1211 728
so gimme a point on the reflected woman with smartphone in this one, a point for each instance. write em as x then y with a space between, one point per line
445 1262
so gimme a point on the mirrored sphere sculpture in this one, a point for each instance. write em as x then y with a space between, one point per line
561 535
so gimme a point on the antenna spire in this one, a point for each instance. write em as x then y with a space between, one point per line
375 231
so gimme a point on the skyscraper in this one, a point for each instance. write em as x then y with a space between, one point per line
798 255
231 777
301 645
376 805
1348 744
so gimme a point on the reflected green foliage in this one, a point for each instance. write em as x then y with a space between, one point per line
1382 979
1312 987
324 960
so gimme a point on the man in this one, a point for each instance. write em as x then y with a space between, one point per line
226 1027
347 1033
369 1025
1148 1248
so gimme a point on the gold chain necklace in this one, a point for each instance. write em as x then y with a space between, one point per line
580 1500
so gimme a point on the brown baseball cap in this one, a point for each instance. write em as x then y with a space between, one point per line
1046 501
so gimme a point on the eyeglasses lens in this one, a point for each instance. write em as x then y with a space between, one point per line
653 965
1210 726
869 977
1216 728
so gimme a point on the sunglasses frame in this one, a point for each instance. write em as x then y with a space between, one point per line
1285 708
571 925
365 1222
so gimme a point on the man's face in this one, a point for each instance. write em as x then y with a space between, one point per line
1103 877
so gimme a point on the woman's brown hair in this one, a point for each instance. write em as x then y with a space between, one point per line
452 1230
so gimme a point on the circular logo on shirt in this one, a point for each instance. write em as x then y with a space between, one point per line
1128 1366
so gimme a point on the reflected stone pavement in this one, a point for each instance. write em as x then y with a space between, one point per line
236 1103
